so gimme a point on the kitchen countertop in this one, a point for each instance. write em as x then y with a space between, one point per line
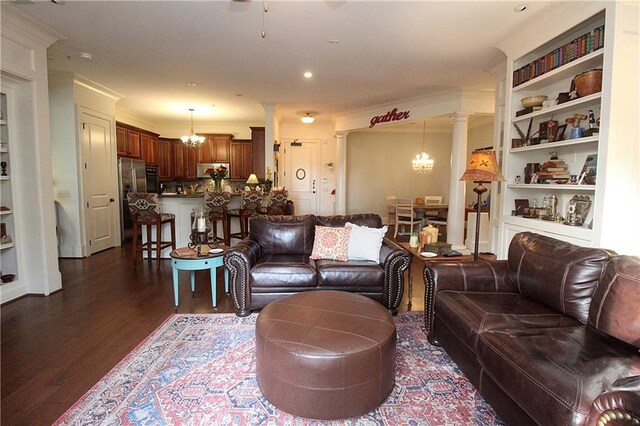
197 195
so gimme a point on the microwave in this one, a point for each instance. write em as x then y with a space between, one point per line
202 167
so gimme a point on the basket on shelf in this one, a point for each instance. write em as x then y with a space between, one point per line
588 82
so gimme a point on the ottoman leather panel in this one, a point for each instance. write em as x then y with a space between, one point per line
325 354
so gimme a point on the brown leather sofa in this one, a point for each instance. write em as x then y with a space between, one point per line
549 336
273 262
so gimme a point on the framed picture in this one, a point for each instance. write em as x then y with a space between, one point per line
589 170
560 133
521 204
547 129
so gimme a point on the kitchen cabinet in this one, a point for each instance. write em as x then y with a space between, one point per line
129 141
190 163
149 148
215 149
178 159
241 159
185 161
257 142
165 159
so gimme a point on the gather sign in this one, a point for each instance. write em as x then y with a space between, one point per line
393 115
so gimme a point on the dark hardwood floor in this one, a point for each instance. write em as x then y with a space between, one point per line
55 348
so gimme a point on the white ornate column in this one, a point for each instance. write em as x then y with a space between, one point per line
341 178
455 215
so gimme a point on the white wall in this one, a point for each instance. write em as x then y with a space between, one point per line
379 164
68 96
64 152
327 178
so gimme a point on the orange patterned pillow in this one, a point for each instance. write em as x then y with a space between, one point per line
331 243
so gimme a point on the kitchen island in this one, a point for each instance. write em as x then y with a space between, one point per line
182 206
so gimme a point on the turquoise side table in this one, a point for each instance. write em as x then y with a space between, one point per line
185 259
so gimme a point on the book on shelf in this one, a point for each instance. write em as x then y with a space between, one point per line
581 46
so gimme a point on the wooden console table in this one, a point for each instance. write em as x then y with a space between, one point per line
416 255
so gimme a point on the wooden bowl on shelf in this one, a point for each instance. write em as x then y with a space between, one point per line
533 101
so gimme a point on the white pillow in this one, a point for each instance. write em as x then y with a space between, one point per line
365 242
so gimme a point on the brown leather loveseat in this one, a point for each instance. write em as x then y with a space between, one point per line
273 262
549 336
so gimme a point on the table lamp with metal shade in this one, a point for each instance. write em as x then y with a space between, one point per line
482 168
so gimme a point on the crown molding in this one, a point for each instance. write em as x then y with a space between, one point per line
96 88
28 27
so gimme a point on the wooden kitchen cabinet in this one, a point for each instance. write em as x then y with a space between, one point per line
133 142
257 142
241 159
122 141
215 149
190 163
149 148
165 159
178 159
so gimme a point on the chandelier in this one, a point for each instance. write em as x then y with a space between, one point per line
422 163
308 118
193 140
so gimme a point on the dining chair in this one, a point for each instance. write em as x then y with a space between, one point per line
218 202
391 209
433 216
250 204
144 212
405 215
276 203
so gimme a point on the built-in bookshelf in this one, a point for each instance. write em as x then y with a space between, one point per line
8 255
552 165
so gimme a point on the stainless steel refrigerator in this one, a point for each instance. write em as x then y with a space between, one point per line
132 178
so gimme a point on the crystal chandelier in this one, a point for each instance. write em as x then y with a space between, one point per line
193 140
422 163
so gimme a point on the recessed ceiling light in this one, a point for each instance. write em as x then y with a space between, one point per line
86 56
192 84
334 41
520 8
240 95
308 74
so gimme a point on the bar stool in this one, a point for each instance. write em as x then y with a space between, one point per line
144 212
218 203
250 204
277 202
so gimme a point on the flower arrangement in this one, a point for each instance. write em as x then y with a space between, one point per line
217 174
268 182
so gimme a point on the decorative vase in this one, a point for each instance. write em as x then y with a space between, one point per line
217 184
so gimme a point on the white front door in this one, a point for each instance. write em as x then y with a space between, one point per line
98 182
301 174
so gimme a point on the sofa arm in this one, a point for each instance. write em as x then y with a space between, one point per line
618 405
239 260
394 260
478 275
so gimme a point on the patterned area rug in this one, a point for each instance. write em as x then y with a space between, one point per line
200 370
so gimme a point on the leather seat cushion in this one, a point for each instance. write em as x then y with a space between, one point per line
554 374
286 270
352 274
467 314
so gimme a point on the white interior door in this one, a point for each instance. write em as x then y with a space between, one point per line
98 182
301 175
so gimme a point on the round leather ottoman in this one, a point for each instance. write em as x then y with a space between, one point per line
325 354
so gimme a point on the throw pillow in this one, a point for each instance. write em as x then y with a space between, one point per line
331 243
365 242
